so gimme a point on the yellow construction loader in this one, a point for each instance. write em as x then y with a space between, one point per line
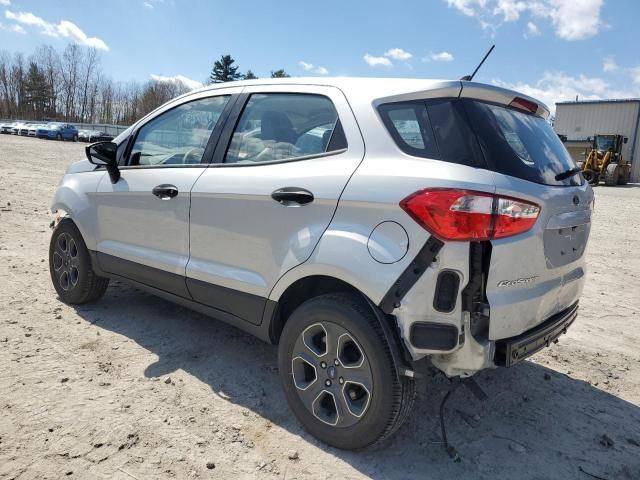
605 162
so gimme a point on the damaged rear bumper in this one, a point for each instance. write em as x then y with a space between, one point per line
510 351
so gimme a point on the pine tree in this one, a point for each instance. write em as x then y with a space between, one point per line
249 75
279 74
224 71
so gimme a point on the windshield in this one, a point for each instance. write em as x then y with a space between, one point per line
520 144
605 143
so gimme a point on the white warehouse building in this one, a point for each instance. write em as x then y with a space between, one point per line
580 121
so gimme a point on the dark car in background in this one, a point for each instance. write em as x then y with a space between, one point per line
94 136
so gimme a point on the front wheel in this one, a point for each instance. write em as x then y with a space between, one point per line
338 373
59 137
70 266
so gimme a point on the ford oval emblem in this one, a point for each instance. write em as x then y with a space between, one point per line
576 200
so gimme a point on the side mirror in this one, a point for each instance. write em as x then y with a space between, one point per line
104 154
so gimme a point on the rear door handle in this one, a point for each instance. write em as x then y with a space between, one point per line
292 196
165 191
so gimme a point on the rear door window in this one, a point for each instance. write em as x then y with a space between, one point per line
285 126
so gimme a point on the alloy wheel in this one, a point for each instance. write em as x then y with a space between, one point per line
332 374
66 262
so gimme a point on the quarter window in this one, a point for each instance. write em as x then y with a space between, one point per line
283 126
178 136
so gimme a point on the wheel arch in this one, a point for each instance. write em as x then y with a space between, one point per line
312 286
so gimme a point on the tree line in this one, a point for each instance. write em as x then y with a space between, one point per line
70 86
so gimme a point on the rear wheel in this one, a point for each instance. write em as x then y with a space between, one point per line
611 175
75 138
623 178
58 137
339 375
70 266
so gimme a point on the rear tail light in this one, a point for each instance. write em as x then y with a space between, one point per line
465 215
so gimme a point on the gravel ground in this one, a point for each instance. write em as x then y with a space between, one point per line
135 387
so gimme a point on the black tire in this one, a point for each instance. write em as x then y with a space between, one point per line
58 137
591 177
376 407
75 138
70 266
611 175
624 175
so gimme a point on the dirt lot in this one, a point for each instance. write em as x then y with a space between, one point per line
135 387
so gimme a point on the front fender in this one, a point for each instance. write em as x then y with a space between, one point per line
74 197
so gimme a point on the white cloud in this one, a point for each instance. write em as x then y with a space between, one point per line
398 54
576 19
572 19
635 74
609 64
467 7
5 3
532 30
310 67
377 61
509 9
188 82
65 29
441 57
12 28
148 5
555 87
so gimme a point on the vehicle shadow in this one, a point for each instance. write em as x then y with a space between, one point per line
536 424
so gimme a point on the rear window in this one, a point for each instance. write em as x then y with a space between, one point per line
520 144
481 135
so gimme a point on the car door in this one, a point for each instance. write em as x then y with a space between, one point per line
143 219
271 191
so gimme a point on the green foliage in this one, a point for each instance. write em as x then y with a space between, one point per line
250 75
279 74
224 71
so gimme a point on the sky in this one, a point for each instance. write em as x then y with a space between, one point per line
552 50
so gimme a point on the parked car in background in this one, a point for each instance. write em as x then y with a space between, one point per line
33 129
43 130
7 127
24 129
94 136
62 131
361 224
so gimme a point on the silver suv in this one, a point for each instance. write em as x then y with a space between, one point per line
361 224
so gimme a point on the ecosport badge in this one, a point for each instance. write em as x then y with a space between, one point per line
517 281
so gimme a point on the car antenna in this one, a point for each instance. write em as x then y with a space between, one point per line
468 78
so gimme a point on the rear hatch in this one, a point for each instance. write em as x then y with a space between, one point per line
536 274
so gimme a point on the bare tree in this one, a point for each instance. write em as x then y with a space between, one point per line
90 63
71 58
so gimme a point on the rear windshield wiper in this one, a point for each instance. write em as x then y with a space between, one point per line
568 173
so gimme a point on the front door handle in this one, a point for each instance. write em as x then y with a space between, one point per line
165 191
292 196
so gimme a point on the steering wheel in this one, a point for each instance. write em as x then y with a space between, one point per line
190 152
